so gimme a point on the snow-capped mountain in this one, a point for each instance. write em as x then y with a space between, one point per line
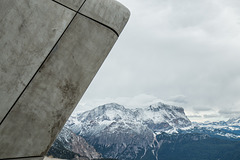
156 132
158 117
223 129
234 121
118 132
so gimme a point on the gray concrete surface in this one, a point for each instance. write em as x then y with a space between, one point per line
29 29
73 4
52 95
36 95
108 12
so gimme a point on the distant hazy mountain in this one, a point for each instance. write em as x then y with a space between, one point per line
156 132
223 129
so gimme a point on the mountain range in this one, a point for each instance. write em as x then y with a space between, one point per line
156 132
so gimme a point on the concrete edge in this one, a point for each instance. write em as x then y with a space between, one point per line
104 8
110 13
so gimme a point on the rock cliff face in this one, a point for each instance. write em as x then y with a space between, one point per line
158 117
156 132
69 145
118 132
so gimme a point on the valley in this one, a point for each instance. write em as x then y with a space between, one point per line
156 132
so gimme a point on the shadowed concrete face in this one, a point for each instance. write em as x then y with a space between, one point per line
41 84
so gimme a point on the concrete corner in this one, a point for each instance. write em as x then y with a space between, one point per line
109 12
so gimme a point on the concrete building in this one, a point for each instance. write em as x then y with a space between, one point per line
50 52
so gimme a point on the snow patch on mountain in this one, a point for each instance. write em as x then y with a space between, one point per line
122 133
157 117
73 144
226 129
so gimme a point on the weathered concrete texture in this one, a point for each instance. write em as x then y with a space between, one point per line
28 31
73 4
41 84
54 92
108 12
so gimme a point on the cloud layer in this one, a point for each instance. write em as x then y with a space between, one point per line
184 51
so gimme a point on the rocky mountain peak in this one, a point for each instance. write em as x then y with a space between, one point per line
234 120
142 133
124 129
157 117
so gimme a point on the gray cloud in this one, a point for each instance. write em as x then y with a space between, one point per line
174 47
211 116
194 116
178 99
202 109
230 113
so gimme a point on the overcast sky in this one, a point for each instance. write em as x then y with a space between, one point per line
182 52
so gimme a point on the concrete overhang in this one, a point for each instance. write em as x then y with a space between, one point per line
50 52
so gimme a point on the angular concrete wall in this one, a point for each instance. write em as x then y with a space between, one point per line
50 52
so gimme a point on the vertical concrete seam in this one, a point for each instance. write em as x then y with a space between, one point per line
81 5
69 7
96 20
87 16
38 69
